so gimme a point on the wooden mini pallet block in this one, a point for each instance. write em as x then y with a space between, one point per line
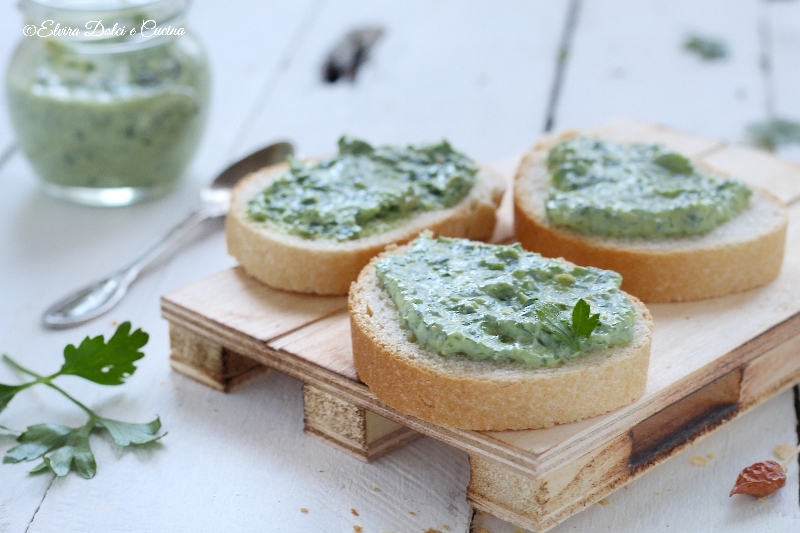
711 361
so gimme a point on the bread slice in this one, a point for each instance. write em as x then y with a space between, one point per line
323 266
740 254
487 395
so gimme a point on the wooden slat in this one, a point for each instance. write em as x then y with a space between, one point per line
543 501
770 372
326 343
256 310
352 429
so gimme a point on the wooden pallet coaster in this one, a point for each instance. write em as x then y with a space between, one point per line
711 361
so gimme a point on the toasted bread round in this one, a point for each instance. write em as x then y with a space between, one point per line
464 393
324 266
740 254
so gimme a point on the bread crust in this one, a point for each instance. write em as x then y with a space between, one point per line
323 266
665 270
487 395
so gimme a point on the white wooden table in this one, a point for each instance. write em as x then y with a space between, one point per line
478 73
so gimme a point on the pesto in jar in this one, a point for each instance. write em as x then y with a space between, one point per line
111 117
363 189
457 296
639 190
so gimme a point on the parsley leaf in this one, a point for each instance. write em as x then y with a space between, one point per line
125 434
583 323
36 441
570 333
106 363
7 393
550 316
73 454
68 449
63 449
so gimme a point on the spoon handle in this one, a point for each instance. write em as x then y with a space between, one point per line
100 296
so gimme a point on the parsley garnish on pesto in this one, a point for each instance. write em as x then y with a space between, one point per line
363 190
570 333
502 303
639 190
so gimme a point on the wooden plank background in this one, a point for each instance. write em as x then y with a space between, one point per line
478 73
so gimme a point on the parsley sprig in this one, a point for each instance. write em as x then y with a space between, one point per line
61 448
570 333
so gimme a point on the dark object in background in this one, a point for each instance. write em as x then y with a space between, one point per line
349 54
706 48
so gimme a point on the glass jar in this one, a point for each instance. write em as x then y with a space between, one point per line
108 99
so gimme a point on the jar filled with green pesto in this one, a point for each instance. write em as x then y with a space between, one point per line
108 99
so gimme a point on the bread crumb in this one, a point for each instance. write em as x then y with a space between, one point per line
376 489
412 513
115 323
354 512
358 529
604 501
658 493
711 455
698 460
304 510
763 499
783 451
445 527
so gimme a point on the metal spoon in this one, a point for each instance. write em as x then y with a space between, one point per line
99 297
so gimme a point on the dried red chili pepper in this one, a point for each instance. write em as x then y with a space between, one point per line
760 479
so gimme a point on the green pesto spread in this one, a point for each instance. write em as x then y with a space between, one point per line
463 297
128 119
363 189
639 190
